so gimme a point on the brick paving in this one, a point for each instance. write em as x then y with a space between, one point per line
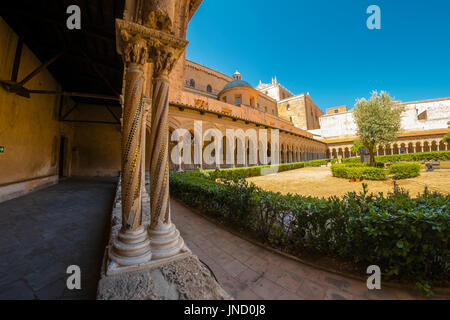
250 272
41 234
44 232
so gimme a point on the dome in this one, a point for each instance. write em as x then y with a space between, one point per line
236 84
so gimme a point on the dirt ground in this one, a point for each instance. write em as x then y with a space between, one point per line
319 182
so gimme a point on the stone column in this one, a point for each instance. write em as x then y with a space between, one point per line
166 242
143 136
131 247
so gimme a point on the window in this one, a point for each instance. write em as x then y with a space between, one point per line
336 111
208 88
288 108
224 99
265 109
190 83
238 100
252 102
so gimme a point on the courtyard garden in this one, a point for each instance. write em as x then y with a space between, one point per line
320 182
396 216
303 210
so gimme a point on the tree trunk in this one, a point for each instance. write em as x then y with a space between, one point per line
372 156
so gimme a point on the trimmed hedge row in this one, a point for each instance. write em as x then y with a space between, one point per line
357 170
405 170
407 238
248 172
421 156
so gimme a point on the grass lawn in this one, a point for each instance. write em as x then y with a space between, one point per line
319 182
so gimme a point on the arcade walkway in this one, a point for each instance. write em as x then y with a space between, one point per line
43 233
247 271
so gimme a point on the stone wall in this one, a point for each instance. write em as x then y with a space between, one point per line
203 77
418 116
301 110
29 128
31 132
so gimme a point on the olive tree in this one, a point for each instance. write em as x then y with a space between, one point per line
378 121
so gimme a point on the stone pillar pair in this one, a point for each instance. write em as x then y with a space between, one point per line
137 246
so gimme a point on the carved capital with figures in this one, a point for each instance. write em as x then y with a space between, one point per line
140 44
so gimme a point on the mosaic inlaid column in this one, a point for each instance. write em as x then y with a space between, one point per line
166 241
144 132
131 247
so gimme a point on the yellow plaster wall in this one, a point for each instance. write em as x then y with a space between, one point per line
95 147
29 128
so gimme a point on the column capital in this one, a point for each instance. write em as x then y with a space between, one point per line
140 44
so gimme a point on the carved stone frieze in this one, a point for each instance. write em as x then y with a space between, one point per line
140 44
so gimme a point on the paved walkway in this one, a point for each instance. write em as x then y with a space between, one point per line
43 233
247 271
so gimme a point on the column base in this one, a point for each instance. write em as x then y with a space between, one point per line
166 243
129 252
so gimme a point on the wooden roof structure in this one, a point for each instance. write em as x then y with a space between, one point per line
84 62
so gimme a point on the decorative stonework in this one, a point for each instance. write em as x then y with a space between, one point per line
135 49
157 19
166 242
141 44
132 249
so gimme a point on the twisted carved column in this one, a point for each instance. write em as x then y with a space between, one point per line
133 248
166 241
132 245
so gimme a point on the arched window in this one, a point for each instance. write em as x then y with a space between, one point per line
191 83
208 88
288 108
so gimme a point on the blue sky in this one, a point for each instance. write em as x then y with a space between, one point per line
325 48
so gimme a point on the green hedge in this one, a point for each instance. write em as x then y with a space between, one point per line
407 238
247 172
357 170
405 170
421 156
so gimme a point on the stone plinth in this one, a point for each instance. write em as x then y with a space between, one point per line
185 278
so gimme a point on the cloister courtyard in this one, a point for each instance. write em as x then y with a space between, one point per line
130 172
319 182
